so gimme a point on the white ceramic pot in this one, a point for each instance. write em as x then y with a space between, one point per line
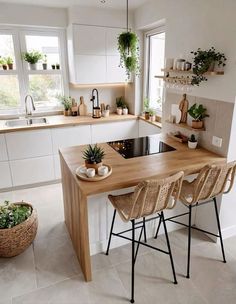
153 118
33 66
125 111
192 145
119 111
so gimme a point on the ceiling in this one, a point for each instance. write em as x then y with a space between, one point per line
115 4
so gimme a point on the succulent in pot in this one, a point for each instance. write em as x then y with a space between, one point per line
93 156
66 101
192 142
198 113
120 102
32 58
3 63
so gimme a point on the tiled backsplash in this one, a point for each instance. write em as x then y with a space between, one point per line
218 124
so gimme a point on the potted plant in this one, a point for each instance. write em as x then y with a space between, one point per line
198 113
57 66
53 66
67 104
152 114
93 156
18 228
32 58
9 62
146 108
192 142
204 61
125 110
3 63
120 102
45 65
129 52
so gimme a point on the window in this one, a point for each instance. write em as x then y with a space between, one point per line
45 83
154 62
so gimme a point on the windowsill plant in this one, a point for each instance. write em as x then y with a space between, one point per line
66 101
32 58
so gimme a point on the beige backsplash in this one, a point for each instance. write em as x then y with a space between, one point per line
218 124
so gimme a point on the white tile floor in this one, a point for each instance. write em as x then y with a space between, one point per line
48 271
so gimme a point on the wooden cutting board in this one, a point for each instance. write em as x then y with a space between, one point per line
82 107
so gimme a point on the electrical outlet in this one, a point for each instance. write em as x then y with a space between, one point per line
217 141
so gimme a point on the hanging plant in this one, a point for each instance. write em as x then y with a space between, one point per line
205 61
128 46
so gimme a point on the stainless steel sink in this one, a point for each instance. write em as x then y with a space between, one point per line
37 120
26 122
17 123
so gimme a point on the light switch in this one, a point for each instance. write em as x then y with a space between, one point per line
217 141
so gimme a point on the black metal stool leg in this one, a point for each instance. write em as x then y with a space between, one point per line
189 241
133 261
158 228
219 229
144 230
169 249
112 225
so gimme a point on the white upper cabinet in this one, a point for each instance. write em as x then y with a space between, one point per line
93 55
89 40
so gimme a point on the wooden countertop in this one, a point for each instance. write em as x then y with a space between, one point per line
57 121
129 172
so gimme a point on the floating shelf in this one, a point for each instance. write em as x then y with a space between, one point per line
181 80
213 73
185 126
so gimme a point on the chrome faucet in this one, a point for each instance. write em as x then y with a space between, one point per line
93 97
28 111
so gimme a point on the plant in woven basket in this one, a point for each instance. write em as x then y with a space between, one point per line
93 154
13 214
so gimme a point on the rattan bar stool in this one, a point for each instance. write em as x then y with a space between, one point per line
213 180
150 197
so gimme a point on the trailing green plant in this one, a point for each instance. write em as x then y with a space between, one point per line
146 104
66 101
93 154
120 102
198 112
128 46
192 138
32 57
203 60
13 214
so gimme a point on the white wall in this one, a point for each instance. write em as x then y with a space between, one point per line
191 24
32 15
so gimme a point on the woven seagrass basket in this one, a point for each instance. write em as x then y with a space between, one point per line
15 240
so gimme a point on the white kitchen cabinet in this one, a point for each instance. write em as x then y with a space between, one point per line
28 144
112 35
145 129
3 148
89 40
114 131
115 73
90 69
32 170
5 175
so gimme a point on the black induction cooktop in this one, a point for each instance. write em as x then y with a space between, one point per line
142 146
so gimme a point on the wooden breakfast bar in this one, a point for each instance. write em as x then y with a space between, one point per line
126 173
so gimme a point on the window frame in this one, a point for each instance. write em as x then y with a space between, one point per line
19 41
147 53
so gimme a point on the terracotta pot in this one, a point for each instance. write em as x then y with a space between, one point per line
197 124
94 166
67 112
4 66
147 116
10 66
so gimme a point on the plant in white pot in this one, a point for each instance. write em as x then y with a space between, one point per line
192 142
152 114
125 110
32 58
198 113
120 102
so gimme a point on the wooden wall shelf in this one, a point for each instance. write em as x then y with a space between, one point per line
213 73
185 126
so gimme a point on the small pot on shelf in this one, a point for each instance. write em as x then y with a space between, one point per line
53 66
192 142
125 111
119 111
197 124
33 66
4 66
45 66
10 66
67 112
153 118
58 66
147 116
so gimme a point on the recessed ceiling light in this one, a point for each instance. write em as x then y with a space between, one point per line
103 1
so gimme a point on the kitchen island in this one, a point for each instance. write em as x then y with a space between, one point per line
81 198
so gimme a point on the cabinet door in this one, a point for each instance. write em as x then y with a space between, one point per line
3 148
31 171
90 69
112 35
115 73
70 136
5 175
89 40
29 144
114 131
146 129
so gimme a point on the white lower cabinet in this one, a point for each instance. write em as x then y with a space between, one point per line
145 129
114 131
32 170
5 175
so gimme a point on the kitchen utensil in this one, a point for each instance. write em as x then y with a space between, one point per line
82 107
